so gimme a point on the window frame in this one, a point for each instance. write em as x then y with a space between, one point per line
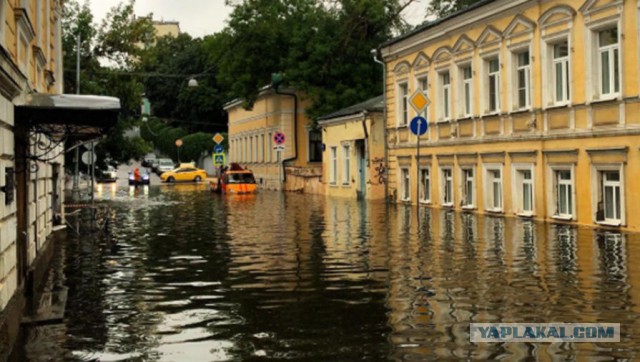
465 83
566 79
486 89
610 49
594 74
489 183
405 183
346 164
517 190
333 165
554 194
425 192
444 96
464 188
310 146
402 109
598 194
517 68
444 183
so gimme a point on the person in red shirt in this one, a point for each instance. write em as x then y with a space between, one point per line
136 176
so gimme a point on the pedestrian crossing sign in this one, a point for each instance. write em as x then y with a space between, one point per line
218 159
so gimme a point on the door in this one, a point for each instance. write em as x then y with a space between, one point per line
362 169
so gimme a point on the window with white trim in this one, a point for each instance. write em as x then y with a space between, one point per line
493 85
425 185
403 104
467 89
445 95
609 62
523 80
333 166
493 189
346 164
563 188
523 190
468 188
610 196
405 182
447 187
560 70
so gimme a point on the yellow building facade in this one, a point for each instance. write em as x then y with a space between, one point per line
535 111
353 162
298 166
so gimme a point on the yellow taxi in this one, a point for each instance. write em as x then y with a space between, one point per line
184 172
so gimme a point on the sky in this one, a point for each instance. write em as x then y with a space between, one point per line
202 17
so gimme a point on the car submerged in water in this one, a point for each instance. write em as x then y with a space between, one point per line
109 175
185 172
235 180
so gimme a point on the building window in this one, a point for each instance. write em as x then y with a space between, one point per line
563 193
468 188
493 190
610 197
445 84
493 85
333 167
561 73
346 164
523 80
467 86
405 181
447 187
315 146
423 83
403 104
523 191
608 57
425 185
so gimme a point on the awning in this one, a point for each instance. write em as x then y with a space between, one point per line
68 115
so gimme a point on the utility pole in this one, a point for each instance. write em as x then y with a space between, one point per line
76 191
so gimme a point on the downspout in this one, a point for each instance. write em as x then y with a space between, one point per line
295 131
375 53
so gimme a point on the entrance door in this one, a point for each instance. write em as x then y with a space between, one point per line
362 169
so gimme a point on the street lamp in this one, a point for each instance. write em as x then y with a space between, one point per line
178 145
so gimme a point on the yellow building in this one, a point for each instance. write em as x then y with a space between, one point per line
298 166
35 123
353 140
535 111
166 28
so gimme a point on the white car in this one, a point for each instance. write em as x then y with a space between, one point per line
109 175
164 165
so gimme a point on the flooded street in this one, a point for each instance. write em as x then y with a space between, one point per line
190 276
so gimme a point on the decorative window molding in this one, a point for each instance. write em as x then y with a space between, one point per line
463 46
591 7
557 15
442 56
421 62
490 36
402 69
519 26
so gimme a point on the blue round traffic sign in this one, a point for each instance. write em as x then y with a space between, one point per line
419 126
218 149
278 138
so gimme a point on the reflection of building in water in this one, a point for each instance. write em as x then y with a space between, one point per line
533 111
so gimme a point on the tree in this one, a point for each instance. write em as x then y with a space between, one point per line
112 43
442 8
323 47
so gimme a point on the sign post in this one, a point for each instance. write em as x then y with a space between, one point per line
419 126
278 140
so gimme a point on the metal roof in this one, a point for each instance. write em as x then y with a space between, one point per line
372 105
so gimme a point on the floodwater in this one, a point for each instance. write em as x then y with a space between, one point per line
190 276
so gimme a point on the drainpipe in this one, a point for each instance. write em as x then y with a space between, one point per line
375 53
295 131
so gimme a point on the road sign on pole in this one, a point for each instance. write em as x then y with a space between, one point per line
218 138
419 100
218 159
218 149
279 138
419 126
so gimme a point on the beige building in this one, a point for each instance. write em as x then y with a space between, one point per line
35 122
353 142
535 111
298 166
166 28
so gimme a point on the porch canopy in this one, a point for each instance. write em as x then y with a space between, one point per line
70 116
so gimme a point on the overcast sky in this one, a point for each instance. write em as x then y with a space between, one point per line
202 17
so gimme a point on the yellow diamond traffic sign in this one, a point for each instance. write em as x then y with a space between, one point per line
419 100
218 138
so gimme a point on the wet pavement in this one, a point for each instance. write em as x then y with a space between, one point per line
191 276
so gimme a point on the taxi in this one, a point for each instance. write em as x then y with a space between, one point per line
184 172
235 180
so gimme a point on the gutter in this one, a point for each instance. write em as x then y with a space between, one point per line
295 131
376 53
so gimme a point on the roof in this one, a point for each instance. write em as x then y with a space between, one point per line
430 24
375 104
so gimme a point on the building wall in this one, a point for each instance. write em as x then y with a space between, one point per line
535 126
350 132
30 61
251 142
164 28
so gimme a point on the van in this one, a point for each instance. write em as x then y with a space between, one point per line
164 165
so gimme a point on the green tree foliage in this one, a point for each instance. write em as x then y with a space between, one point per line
169 64
442 8
115 43
323 47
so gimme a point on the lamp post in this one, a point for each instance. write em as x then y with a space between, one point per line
178 145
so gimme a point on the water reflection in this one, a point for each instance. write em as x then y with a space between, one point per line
195 276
